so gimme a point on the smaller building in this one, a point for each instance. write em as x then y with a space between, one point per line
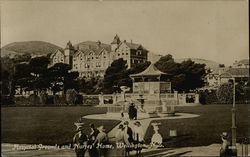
151 81
244 63
239 74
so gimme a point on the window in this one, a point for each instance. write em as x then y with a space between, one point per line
104 56
122 53
126 53
118 54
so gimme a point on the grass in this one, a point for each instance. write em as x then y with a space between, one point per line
54 125
205 129
46 125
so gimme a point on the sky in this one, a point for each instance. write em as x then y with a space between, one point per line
213 29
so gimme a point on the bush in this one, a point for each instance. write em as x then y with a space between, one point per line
59 100
208 97
79 99
71 96
225 93
7 100
43 97
50 99
21 100
34 99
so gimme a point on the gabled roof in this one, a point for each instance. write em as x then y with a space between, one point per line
134 46
58 50
244 61
238 71
150 71
78 52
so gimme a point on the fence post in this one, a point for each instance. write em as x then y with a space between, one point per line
176 97
114 98
196 99
100 96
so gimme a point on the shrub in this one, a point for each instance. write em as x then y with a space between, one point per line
208 97
225 93
43 97
7 100
50 99
71 96
59 100
79 99
34 99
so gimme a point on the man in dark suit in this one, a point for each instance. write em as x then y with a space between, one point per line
80 141
129 133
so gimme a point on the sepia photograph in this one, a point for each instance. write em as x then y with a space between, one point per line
125 78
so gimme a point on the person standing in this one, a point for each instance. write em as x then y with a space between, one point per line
138 137
93 152
101 140
120 141
128 138
224 150
80 142
130 111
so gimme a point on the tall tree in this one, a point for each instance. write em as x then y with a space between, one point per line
186 75
115 76
39 72
61 78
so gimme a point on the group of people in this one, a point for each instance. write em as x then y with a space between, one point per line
87 144
129 138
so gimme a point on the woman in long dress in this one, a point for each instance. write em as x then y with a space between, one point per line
138 137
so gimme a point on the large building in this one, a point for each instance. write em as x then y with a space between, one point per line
91 59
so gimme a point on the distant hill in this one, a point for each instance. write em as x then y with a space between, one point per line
209 64
30 47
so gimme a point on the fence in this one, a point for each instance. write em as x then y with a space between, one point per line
157 99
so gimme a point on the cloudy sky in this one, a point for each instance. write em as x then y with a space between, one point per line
214 30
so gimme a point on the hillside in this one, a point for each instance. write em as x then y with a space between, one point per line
209 64
31 47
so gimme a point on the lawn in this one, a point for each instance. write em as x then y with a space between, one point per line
46 125
54 125
203 130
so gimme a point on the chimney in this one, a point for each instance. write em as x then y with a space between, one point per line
125 41
131 41
99 43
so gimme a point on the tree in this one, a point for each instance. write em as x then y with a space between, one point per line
115 76
139 67
61 78
185 76
225 93
39 80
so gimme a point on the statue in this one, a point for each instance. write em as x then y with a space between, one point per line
156 139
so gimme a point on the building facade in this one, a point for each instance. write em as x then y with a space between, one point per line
91 59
